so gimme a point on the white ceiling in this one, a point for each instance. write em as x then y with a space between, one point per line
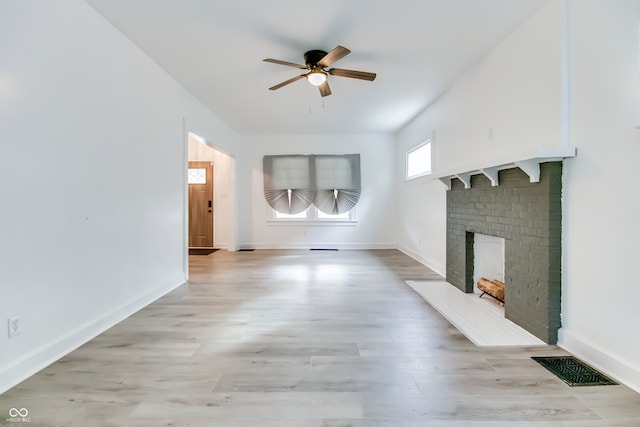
215 48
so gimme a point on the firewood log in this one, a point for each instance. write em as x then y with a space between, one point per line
495 288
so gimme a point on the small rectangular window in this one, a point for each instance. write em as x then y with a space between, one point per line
197 176
419 160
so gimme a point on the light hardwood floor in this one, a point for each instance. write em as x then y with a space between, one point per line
305 338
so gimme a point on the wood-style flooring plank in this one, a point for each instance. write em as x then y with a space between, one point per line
305 339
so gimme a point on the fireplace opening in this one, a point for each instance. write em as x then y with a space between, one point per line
488 263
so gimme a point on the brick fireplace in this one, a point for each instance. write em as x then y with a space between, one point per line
528 215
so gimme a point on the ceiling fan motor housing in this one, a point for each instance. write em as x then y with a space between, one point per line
312 57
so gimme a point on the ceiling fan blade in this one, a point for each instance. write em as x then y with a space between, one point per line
362 75
337 53
290 64
286 82
325 90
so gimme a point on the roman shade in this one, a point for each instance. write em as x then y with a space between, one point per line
293 182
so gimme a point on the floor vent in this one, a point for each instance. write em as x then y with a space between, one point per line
322 249
574 372
246 250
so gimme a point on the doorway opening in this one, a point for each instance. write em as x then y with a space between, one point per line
216 204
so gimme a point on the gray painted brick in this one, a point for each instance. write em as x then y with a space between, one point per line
528 216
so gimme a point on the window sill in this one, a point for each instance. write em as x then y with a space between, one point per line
313 223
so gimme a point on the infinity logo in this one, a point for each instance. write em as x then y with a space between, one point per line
23 412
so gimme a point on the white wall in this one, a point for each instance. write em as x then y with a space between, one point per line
375 209
507 104
223 189
422 219
600 292
514 101
92 179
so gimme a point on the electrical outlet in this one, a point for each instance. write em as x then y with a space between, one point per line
14 326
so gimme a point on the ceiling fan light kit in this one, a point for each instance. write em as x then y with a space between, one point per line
317 62
317 77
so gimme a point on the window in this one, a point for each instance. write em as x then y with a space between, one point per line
197 176
280 215
319 187
314 214
344 215
419 160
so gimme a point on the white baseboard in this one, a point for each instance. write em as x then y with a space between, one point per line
296 245
432 264
42 357
620 370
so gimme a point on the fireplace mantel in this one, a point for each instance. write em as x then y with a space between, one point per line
528 162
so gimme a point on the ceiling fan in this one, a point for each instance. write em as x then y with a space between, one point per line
317 62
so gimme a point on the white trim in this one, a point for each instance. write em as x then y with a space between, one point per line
528 161
420 175
185 199
42 357
623 371
565 78
427 262
318 245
